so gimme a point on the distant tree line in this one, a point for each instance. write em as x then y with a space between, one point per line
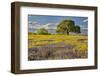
64 27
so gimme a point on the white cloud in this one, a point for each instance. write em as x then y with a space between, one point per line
85 20
32 22
50 26
82 27
36 25
33 25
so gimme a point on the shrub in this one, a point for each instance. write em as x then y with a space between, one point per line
42 31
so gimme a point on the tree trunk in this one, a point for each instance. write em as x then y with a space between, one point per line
67 33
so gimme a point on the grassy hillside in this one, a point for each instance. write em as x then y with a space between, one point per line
42 47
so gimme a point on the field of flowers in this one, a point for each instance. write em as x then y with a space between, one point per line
44 47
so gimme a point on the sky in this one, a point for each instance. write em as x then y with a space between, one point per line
51 22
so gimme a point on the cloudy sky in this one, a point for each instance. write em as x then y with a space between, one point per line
51 22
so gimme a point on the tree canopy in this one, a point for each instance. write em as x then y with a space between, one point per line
77 29
65 27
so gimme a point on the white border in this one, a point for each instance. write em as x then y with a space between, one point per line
25 64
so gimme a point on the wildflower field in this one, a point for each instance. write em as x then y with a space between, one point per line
56 46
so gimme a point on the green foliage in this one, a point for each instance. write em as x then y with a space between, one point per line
77 29
42 31
32 33
65 27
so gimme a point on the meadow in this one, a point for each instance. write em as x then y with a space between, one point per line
57 46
